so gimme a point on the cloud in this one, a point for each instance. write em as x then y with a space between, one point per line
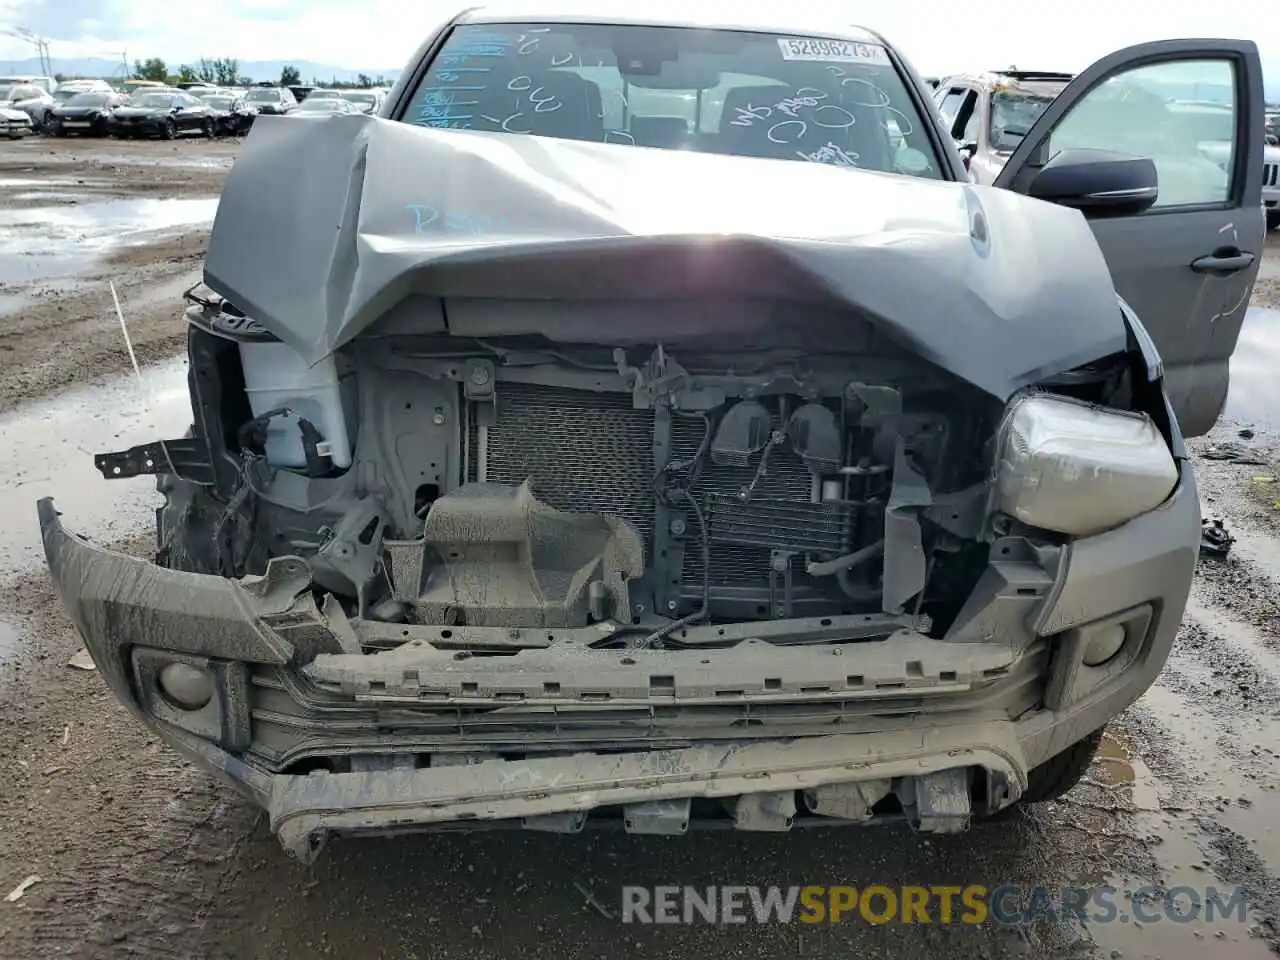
937 36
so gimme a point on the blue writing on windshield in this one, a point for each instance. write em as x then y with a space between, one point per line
456 80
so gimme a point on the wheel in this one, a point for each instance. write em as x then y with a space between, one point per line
1273 219
1060 773
207 128
58 130
170 129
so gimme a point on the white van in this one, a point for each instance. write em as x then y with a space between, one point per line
47 84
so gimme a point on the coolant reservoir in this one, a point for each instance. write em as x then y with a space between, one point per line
275 375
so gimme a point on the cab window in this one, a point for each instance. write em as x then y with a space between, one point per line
1182 115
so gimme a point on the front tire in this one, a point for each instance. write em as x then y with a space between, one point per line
209 130
1273 220
170 129
1060 773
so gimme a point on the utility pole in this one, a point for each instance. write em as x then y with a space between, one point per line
41 45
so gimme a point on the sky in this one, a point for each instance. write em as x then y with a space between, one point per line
938 37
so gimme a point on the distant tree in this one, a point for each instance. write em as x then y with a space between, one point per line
243 81
290 76
226 71
153 68
59 77
382 81
364 80
187 74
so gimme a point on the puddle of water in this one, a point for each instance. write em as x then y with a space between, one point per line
1254 396
48 196
1165 925
10 640
43 242
50 448
43 182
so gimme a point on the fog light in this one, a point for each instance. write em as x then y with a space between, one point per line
185 686
1103 645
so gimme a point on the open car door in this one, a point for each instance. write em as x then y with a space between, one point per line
1187 263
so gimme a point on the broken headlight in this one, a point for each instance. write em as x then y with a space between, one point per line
1079 469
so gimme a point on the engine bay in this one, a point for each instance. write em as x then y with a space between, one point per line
519 483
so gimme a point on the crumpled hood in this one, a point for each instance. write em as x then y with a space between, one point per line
998 289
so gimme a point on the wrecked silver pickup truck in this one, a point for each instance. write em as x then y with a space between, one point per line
669 442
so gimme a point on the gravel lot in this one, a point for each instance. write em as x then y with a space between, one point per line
141 855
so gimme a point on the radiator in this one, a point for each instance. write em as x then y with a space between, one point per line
584 451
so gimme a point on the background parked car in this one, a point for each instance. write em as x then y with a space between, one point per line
72 88
166 114
323 106
131 87
323 93
34 101
366 101
47 84
272 100
301 93
987 114
233 114
85 113
14 124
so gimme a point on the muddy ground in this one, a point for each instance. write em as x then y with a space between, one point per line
140 855
77 217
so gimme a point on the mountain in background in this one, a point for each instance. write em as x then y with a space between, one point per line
254 69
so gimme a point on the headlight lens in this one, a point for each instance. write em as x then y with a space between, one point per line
1078 469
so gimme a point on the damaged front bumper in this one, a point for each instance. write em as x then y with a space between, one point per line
429 733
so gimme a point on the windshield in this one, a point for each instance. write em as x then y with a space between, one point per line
87 100
1012 114
6 93
263 95
324 95
826 101
360 96
221 103
153 100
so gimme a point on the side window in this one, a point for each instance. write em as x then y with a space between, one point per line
1182 115
950 106
965 128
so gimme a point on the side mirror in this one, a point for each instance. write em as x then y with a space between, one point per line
968 150
1099 183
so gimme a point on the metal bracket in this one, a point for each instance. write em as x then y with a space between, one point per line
780 570
187 458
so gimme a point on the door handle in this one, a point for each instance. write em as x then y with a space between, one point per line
1221 263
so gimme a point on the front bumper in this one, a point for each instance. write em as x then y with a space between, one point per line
145 126
552 730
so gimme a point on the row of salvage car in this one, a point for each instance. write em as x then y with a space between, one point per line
165 112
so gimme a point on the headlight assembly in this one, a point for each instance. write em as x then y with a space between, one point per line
1079 469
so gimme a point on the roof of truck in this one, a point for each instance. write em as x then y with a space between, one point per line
669 14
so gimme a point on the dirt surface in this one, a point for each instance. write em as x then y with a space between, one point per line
141 855
77 215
